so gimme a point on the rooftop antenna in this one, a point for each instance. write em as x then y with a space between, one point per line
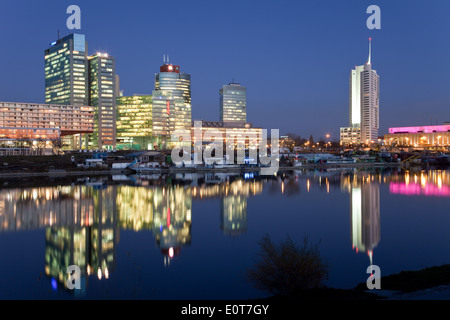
164 59
168 59
370 52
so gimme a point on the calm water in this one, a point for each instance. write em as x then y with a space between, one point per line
194 236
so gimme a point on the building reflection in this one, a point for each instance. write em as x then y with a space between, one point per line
233 215
434 183
80 227
90 243
82 222
364 190
233 206
365 217
172 220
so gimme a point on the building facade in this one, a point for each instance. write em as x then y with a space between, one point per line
350 136
102 95
135 122
66 71
419 137
364 105
233 103
171 104
30 122
243 134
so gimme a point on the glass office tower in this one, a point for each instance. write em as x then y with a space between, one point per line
171 104
134 122
233 103
102 95
66 71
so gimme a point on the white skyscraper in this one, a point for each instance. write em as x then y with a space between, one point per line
364 120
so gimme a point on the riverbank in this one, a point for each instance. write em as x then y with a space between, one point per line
427 284
44 171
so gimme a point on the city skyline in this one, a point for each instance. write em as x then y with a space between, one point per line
335 46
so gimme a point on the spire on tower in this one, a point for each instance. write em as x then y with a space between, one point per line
370 52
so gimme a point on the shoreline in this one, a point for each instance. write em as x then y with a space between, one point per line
63 173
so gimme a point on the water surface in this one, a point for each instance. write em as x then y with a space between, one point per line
192 236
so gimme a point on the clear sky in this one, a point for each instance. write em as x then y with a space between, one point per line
294 56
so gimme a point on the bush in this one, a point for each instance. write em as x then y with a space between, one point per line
286 269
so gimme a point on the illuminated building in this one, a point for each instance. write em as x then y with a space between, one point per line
135 122
350 136
364 121
102 95
242 133
171 103
66 71
31 122
233 103
424 136
71 78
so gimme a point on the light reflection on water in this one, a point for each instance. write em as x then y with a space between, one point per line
97 225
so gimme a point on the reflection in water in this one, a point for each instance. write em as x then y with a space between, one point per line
364 190
88 242
365 217
233 215
82 223
433 183
164 210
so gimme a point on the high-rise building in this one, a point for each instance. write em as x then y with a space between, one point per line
134 122
233 103
73 78
364 118
102 95
66 71
171 104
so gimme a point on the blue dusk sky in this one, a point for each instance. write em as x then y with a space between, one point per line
294 56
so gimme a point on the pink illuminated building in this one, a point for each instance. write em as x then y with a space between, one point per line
421 136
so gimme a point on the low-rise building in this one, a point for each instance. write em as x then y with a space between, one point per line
27 124
350 135
421 136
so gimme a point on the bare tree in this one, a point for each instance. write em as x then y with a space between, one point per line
285 269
